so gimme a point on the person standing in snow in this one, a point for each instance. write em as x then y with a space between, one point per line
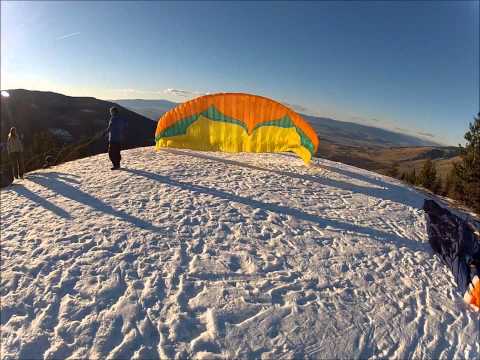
116 129
15 153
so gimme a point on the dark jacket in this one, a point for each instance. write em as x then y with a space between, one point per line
456 241
14 144
116 129
6 177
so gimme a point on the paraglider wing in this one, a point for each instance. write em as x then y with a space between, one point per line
457 242
233 122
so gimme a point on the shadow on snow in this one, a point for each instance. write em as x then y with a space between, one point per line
387 191
60 183
53 181
340 225
23 191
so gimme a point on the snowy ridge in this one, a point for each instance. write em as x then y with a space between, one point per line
213 255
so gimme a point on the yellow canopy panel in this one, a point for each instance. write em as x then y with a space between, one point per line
234 122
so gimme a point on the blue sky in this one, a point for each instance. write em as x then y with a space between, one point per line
408 66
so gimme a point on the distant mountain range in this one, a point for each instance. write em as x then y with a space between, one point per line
151 109
363 146
333 131
68 119
71 120
352 134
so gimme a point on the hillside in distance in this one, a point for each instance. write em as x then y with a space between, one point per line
367 147
151 109
68 120
333 131
73 119
352 134
383 159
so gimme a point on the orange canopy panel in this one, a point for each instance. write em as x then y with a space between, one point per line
235 122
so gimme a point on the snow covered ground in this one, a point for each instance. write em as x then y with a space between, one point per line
210 255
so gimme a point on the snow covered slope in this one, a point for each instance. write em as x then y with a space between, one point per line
222 255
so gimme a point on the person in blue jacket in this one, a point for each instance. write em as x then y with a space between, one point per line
116 137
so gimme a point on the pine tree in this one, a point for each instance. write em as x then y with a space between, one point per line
393 171
43 144
453 187
448 185
468 170
428 175
437 186
412 177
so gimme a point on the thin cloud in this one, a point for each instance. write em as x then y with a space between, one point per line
183 93
368 121
425 134
362 119
68 35
138 91
298 108
416 133
174 92
357 118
